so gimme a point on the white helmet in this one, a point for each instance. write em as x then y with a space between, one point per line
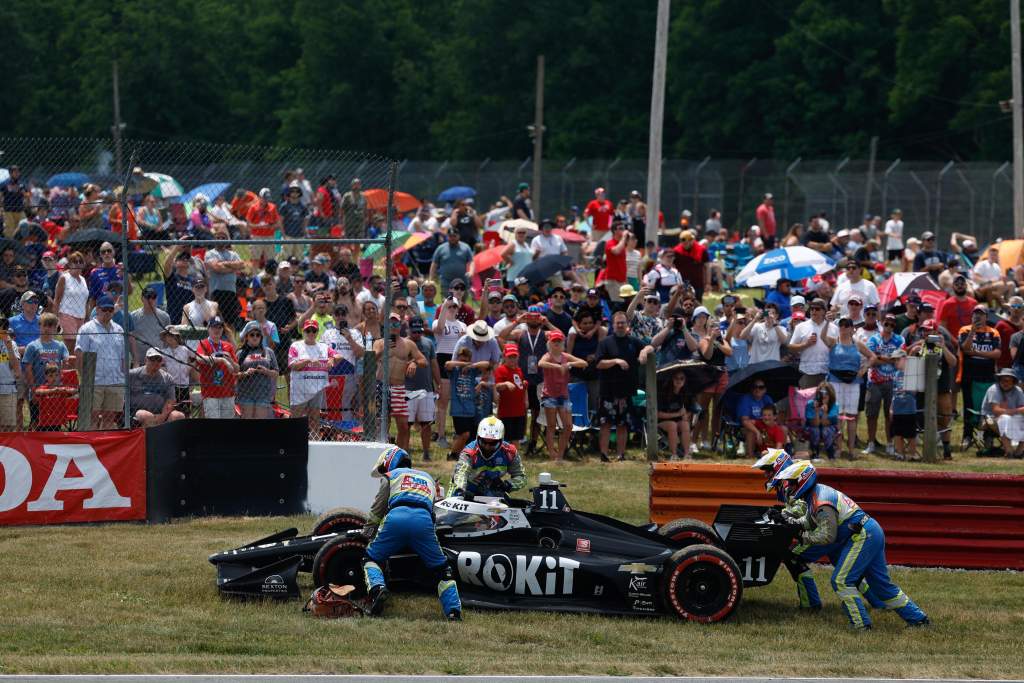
491 428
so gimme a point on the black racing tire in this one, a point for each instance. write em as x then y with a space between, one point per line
340 561
702 583
686 532
338 520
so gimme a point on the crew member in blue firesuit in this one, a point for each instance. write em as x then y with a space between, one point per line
771 462
484 461
854 542
404 506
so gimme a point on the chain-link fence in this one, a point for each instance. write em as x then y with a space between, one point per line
249 283
974 198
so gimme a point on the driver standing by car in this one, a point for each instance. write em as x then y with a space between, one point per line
853 542
484 461
404 506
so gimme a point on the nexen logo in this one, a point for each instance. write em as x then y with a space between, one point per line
522 576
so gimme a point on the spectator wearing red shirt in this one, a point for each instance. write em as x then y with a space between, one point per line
327 201
766 220
511 386
693 262
264 221
1008 328
600 212
53 400
615 260
955 312
217 365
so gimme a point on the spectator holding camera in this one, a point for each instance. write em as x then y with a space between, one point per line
822 420
812 339
674 414
764 335
979 351
676 341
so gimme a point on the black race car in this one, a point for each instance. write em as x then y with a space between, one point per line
539 555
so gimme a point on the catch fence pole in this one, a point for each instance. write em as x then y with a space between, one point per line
931 426
651 389
389 295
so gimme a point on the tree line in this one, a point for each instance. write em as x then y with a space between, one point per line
428 79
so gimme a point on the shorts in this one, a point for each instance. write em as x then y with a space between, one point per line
719 387
904 425
396 401
443 358
465 425
316 402
879 398
261 252
69 325
21 388
612 411
612 287
254 402
532 399
515 428
11 220
107 399
8 416
555 402
422 408
808 381
847 396
219 408
893 254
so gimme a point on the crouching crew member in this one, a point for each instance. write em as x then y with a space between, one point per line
404 506
771 462
484 461
853 542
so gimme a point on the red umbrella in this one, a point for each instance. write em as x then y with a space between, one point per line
568 236
377 200
902 285
489 258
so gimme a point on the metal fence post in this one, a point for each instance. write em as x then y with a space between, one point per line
885 185
836 185
785 203
125 308
743 176
651 389
565 179
927 198
389 294
931 426
938 193
970 195
86 384
696 188
992 206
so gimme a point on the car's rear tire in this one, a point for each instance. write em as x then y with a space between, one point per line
340 561
687 532
702 583
338 520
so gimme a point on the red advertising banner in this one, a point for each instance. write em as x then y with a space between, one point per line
59 477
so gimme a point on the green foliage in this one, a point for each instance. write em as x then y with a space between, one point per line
456 79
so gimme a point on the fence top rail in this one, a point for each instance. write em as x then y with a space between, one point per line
297 240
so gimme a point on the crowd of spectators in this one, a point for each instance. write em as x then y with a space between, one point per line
259 331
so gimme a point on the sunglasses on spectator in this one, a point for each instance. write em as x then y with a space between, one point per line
852 266
759 386
150 296
458 288
888 324
21 275
155 359
854 303
254 334
106 251
817 308
401 307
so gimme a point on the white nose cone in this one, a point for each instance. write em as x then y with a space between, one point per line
544 478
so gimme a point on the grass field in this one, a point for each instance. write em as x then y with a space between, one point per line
135 598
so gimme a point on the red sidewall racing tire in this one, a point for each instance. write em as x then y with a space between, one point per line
703 584
686 532
340 561
338 520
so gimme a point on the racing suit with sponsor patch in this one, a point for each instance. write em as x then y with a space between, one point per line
405 501
855 544
478 475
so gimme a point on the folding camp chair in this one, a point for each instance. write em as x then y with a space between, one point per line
973 416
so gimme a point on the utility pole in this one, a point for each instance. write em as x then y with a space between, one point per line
537 131
871 174
116 128
1018 121
657 123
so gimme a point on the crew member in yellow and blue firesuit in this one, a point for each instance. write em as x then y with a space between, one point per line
404 506
771 462
485 461
835 526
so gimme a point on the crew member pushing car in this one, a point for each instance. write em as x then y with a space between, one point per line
405 501
771 462
484 461
853 542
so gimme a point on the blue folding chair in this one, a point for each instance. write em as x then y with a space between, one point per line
582 420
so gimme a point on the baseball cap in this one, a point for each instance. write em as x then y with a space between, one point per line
522 186
49 254
969 244
153 353
928 324
495 295
555 335
216 322
511 350
310 325
843 233
105 301
510 297
701 310
537 310
457 281
980 308
148 291
592 292
960 276
322 258
915 299
598 190
265 193
797 300
521 281
855 298
927 235
729 299
416 325
927 306
871 307
29 296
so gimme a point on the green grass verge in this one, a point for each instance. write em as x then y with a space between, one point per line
134 598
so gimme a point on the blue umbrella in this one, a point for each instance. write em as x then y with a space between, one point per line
211 190
71 179
454 194
794 263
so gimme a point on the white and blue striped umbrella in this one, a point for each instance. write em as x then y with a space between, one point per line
794 263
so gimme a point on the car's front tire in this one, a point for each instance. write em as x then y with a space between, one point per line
338 520
702 583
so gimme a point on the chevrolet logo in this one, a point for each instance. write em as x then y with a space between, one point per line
638 568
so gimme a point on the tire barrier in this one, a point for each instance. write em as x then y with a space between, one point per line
931 519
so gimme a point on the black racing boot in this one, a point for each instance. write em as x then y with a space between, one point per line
455 615
378 596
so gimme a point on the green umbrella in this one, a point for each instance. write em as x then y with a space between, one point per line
375 251
166 186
